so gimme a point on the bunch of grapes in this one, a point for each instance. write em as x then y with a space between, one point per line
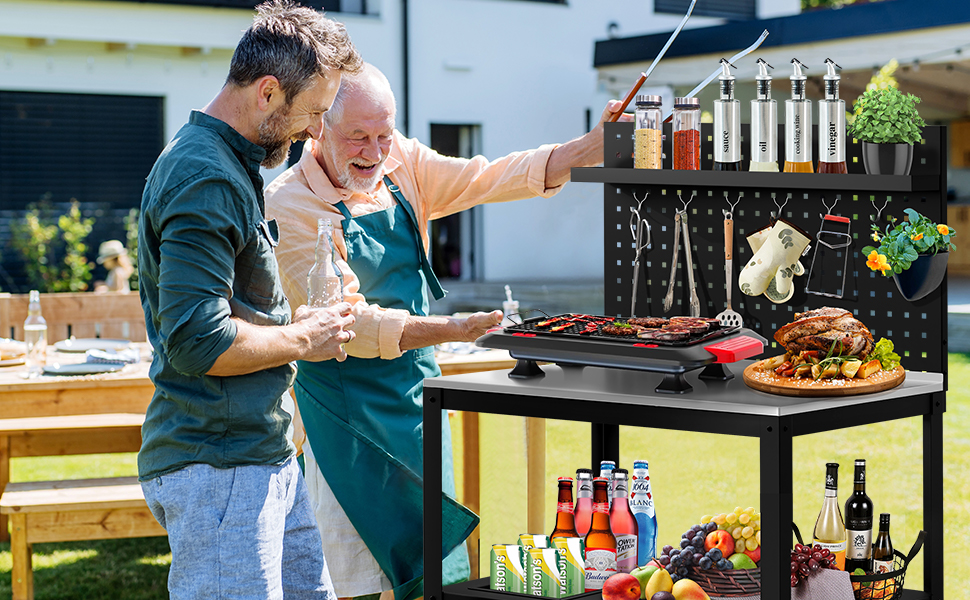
807 560
691 552
744 525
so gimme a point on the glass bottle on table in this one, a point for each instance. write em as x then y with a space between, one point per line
686 127
648 135
882 549
583 512
35 336
830 528
623 523
600 541
325 282
565 520
858 523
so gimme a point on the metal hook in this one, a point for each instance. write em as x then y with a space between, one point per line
729 214
781 206
828 209
686 204
637 222
878 209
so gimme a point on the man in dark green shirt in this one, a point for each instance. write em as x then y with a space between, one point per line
216 463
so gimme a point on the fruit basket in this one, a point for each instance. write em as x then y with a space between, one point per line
734 582
886 586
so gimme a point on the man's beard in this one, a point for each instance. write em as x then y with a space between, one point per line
346 177
274 138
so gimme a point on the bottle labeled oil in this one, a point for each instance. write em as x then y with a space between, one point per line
798 124
727 124
830 528
858 523
831 125
764 124
882 549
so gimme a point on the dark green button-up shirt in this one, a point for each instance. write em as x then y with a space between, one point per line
205 253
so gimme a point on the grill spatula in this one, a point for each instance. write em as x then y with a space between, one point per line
728 317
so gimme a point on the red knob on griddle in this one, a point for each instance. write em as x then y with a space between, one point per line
735 349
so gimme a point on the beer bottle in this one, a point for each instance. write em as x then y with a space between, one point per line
584 500
606 470
623 523
565 522
600 541
641 503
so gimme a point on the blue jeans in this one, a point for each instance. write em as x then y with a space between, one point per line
246 532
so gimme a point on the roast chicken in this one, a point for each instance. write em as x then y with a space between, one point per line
818 329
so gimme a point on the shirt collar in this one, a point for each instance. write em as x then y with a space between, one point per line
253 153
320 183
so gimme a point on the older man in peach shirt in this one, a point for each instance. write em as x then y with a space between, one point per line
363 416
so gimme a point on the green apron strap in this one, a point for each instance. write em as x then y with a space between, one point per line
436 290
344 210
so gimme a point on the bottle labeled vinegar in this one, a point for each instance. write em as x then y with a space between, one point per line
600 541
583 512
727 124
325 282
830 528
798 125
565 521
858 523
644 511
831 125
623 523
882 549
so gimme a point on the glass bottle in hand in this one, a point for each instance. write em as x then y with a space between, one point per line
35 335
325 282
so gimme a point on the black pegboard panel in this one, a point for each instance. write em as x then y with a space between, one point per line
918 329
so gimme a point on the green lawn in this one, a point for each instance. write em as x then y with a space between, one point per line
692 474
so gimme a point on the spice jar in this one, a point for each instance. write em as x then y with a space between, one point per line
647 137
687 133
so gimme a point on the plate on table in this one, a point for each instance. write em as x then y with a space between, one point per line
85 344
82 368
12 352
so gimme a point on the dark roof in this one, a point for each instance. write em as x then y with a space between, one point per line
888 16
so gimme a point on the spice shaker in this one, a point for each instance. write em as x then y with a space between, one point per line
648 135
686 128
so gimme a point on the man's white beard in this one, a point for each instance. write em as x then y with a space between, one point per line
351 182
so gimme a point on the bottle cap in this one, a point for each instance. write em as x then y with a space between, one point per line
622 472
763 67
687 103
569 479
798 75
649 100
831 68
884 518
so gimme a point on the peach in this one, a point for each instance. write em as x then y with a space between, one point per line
720 539
621 586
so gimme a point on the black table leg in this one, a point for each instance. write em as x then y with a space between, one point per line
605 445
933 497
776 506
432 495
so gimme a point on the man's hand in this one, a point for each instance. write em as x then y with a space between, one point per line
585 151
475 325
420 332
613 107
327 330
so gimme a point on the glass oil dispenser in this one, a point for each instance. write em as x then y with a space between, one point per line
764 124
831 125
727 124
798 125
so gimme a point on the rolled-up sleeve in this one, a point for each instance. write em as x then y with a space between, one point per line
200 236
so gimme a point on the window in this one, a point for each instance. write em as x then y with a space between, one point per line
455 238
738 10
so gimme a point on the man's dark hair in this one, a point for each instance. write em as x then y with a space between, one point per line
292 43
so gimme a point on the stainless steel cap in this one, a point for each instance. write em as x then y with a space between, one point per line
649 100
687 103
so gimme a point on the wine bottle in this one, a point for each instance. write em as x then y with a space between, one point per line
830 528
858 524
882 550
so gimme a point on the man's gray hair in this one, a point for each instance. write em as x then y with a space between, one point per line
368 82
292 43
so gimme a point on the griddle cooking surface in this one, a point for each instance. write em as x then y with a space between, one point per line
577 330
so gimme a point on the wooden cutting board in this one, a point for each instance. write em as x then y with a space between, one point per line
767 381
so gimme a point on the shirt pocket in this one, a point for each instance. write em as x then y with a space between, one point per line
258 279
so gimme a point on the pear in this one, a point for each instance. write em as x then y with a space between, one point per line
687 589
659 582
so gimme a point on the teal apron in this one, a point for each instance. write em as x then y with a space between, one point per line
363 416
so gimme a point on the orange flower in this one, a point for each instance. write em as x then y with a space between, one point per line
943 229
916 237
878 262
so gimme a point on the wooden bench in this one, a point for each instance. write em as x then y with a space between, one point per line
65 435
62 511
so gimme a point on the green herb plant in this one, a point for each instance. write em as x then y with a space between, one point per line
886 116
884 353
903 242
54 252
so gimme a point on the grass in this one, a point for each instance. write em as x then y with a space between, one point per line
692 474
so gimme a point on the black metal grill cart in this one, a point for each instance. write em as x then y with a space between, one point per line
607 395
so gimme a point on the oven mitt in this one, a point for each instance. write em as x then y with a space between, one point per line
756 240
775 260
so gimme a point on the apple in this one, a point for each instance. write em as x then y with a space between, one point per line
741 560
687 589
621 586
755 554
643 576
660 581
720 539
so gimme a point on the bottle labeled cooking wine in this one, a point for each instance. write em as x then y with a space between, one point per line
584 501
600 541
830 528
623 523
882 550
565 521
858 524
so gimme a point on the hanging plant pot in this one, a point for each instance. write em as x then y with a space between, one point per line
923 276
887 159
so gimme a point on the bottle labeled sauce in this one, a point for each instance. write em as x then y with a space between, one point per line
727 123
831 125
764 124
686 126
798 125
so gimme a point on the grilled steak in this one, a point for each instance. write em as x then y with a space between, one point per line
818 329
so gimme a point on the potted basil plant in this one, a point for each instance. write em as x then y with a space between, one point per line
888 124
914 251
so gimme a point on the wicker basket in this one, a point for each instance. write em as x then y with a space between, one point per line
886 586
734 582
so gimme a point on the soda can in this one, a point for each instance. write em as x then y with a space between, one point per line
572 565
543 572
508 568
534 540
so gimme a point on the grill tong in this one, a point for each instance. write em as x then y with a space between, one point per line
681 227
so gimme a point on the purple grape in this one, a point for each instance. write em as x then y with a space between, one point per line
684 542
690 534
715 554
668 548
698 542
697 557
674 577
705 563
687 558
664 560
